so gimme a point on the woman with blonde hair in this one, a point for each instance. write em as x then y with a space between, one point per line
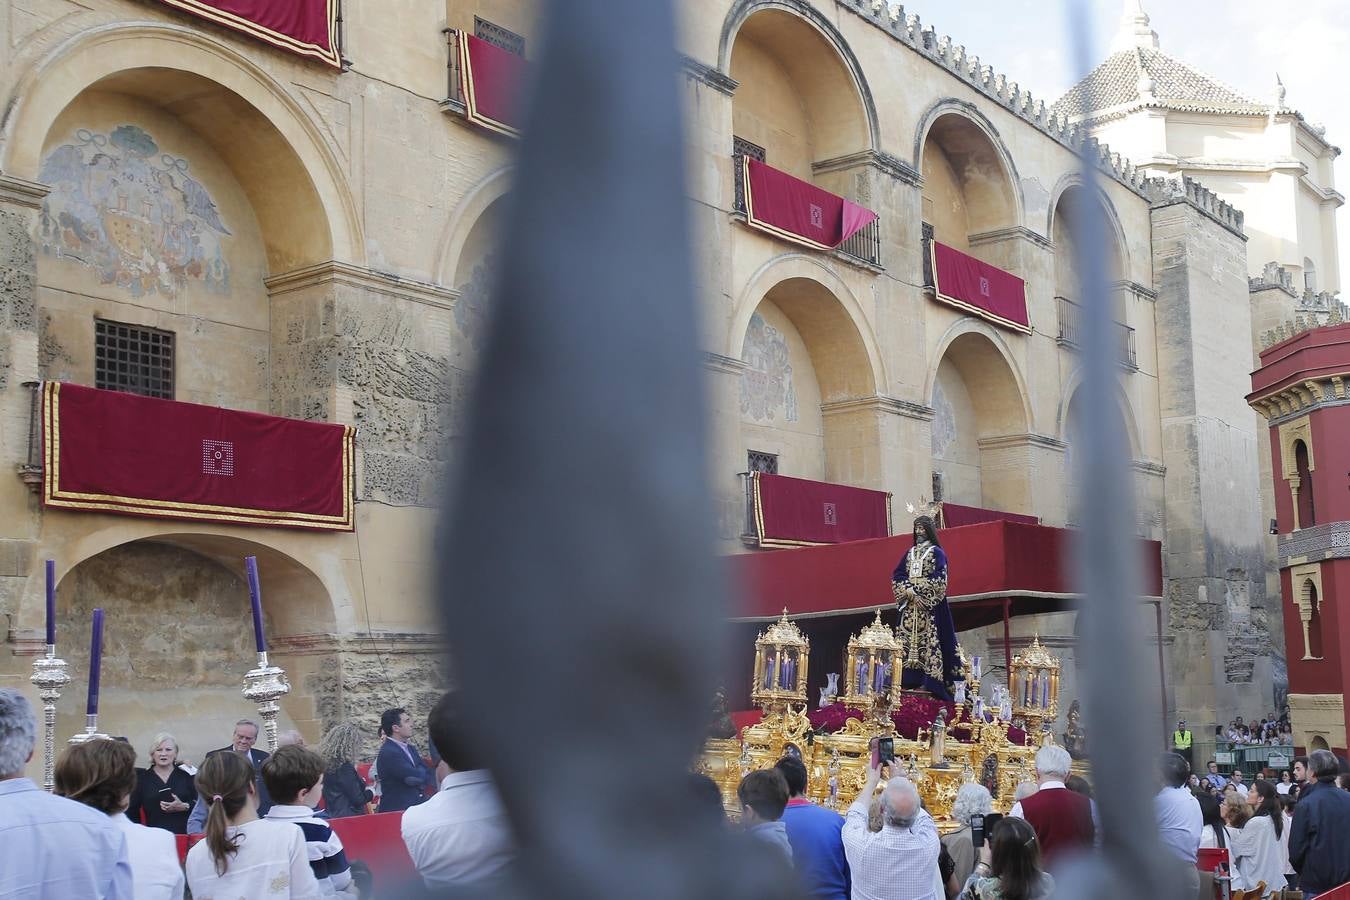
241 854
164 794
101 774
344 793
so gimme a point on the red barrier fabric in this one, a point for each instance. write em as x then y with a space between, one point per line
979 288
106 451
956 516
490 81
377 841
797 210
306 27
794 512
989 559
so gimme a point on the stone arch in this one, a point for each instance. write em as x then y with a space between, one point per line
300 195
467 218
810 374
822 71
980 164
801 266
178 632
981 421
1062 419
1120 246
1318 742
1017 395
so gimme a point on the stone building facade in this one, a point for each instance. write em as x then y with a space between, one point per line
345 254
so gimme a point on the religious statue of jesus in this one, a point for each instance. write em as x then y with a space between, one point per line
926 632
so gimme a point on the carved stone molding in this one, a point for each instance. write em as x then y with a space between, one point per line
711 76
1149 467
884 162
21 192
724 365
1030 439
890 405
386 642
1012 232
334 272
1330 541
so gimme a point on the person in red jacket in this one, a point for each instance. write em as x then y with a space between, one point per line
1064 821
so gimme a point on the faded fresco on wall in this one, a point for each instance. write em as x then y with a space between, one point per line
766 385
121 206
944 422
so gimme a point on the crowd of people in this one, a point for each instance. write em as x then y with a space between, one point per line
1270 730
266 821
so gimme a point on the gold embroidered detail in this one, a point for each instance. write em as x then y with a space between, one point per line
920 648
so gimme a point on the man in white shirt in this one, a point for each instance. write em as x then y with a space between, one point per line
898 862
1179 819
461 835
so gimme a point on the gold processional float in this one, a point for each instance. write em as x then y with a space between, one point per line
944 755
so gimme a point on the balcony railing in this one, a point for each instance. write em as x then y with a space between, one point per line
864 246
1070 332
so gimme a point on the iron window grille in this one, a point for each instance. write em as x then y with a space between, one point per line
765 463
498 36
741 148
133 359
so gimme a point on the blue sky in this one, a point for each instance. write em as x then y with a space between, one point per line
1240 42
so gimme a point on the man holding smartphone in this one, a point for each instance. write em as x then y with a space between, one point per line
900 862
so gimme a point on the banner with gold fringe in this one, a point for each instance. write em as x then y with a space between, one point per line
797 512
490 81
105 451
306 27
798 211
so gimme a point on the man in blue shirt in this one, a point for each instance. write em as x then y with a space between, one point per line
1213 778
816 836
404 778
51 846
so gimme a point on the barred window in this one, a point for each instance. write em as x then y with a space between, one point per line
498 36
133 359
759 461
741 147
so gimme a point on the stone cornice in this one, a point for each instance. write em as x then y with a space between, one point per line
1294 400
711 76
724 365
884 162
1136 289
1030 439
334 272
21 192
1019 232
389 642
1317 701
889 405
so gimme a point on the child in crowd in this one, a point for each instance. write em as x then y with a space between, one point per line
294 779
242 855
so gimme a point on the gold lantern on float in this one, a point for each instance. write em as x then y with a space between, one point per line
781 656
872 676
1035 687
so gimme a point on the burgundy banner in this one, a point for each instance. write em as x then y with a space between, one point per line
797 210
307 27
979 288
791 512
107 451
490 81
955 516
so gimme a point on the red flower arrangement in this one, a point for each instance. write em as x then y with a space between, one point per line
914 713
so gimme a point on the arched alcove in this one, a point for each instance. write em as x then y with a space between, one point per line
969 184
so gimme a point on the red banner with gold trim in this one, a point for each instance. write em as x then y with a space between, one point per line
106 451
490 81
795 512
973 285
797 210
306 27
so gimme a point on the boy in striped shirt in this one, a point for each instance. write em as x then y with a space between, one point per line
294 779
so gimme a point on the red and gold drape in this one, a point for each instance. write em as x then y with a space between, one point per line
306 27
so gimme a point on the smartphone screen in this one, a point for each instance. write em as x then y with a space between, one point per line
990 820
977 830
886 749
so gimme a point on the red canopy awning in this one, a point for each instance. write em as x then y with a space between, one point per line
989 560
976 287
797 210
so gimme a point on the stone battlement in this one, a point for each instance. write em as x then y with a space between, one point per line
945 52
1173 188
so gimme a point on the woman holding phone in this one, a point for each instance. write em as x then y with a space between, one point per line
1009 866
164 793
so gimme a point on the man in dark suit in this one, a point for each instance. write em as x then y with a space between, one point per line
245 736
403 776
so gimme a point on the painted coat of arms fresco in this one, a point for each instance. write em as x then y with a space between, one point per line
133 214
766 385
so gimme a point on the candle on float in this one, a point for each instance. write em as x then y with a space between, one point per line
51 602
95 662
255 598
975 669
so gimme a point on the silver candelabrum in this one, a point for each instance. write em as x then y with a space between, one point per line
90 733
49 676
264 686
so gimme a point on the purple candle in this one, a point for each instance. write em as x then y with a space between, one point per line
95 662
51 602
255 597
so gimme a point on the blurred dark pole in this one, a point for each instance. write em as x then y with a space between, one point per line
1112 645
581 601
